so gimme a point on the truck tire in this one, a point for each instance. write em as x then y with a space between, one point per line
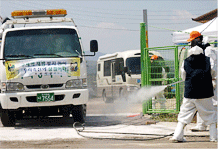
65 111
106 99
79 113
121 94
7 118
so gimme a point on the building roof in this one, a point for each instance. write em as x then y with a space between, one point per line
206 17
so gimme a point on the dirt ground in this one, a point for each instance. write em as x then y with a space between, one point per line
193 142
95 107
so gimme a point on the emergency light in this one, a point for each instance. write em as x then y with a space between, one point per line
38 13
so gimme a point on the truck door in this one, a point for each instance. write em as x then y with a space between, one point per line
113 71
113 78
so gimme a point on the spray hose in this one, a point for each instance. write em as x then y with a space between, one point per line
159 136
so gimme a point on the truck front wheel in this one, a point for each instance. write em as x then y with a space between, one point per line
79 113
7 118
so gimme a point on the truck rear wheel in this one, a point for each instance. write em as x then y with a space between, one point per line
7 118
104 96
106 99
121 94
79 113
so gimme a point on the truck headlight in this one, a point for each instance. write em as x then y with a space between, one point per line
84 82
76 83
14 86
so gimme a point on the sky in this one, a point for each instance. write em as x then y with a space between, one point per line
116 24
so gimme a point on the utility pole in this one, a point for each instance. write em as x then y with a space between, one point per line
145 20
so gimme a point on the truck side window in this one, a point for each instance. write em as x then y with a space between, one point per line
119 64
107 68
99 67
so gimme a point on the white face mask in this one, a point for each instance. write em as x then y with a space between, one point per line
195 51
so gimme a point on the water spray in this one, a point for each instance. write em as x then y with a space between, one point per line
144 93
147 92
174 83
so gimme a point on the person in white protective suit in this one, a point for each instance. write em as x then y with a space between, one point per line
197 73
212 53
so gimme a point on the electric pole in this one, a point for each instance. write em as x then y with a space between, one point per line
145 20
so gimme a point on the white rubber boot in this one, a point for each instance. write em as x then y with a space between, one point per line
178 134
213 132
200 125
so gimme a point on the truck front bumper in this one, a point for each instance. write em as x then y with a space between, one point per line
28 99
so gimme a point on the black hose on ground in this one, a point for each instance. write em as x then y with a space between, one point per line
159 136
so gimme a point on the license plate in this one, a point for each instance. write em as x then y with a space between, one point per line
45 97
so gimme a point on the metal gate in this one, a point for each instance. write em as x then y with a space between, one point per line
163 69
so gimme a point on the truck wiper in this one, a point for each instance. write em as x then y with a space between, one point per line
48 55
78 53
19 55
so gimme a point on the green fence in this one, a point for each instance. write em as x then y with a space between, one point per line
162 71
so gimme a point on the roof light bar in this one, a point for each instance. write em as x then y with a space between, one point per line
39 13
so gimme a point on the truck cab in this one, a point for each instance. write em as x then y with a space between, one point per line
43 67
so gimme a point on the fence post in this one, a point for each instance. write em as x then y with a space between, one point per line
143 46
177 79
145 71
143 61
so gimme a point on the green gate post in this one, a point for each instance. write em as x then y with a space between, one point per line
144 64
143 46
177 79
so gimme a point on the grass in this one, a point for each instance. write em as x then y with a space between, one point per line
165 117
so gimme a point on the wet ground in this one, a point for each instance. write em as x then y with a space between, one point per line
113 125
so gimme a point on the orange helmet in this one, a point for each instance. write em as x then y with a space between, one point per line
154 57
193 35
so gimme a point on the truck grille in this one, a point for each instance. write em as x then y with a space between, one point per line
40 86
33 98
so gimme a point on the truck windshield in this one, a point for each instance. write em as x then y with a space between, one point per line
134 65
42 43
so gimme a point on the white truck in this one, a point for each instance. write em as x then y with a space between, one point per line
119 74
43 69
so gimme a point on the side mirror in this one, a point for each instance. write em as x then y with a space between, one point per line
129 72
93 46
123 76
126 70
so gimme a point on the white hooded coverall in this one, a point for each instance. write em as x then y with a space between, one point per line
190 106
212 53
